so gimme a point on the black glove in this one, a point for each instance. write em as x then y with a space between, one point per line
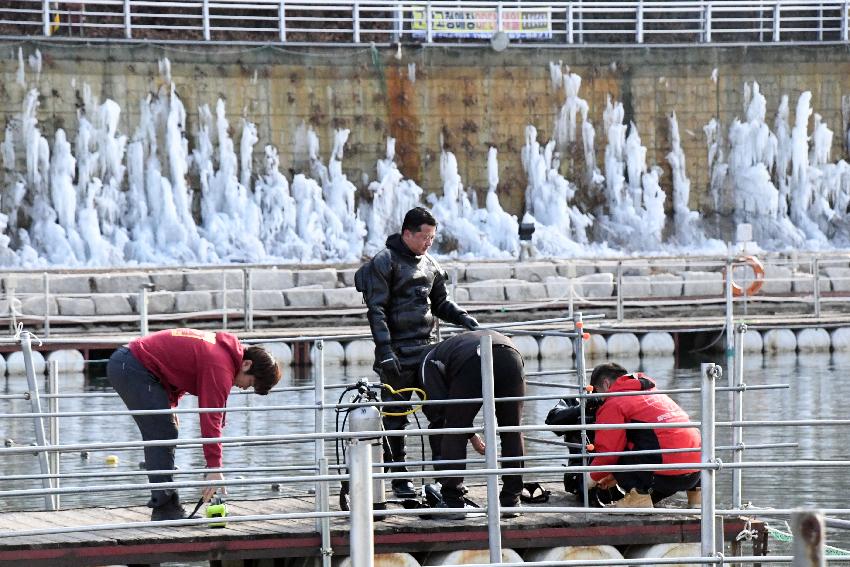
387 362
468 321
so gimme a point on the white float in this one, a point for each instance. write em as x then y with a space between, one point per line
656 343
556 348
840 339
282 352
360 352
623 344
2 365
527 346
470 556
386 560
813 340
753 342
666 551
15 364
334 353
69 360
780 340
596 346
574 552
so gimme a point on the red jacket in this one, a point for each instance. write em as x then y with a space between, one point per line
649 408
201 363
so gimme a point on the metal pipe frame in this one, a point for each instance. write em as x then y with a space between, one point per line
490 448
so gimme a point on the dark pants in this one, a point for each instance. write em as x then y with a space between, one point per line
140 390
509 381
659 486
394 445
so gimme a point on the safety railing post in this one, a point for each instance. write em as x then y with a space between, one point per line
323 505
490 449
581 374
45 17
362 524
205 16
569 23
128 21
737 414
53 431
730 338
845 24
619 290
224 301
143 308
777 14
319 394
816 279
248 303
429 31
10 297
38 422
639 22
281 14
809 531
46 278
706 24
500 26
710 373
355 21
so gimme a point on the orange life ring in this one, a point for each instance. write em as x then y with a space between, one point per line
758 271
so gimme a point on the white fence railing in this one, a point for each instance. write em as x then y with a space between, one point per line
385 22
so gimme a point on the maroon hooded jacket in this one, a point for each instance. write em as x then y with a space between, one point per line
201 363
649 408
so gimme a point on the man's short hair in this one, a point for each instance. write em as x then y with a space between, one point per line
416 217
264 368
610 370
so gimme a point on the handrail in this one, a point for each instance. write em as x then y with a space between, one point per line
356 22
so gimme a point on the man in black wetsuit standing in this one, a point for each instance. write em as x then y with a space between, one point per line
405 292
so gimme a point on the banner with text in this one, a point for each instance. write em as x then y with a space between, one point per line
523 23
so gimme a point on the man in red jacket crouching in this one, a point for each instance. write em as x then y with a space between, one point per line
153 373
642 488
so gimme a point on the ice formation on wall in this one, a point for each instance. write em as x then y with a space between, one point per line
109 198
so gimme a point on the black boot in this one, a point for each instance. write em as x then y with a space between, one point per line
166 507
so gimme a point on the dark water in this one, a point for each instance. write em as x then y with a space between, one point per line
818 389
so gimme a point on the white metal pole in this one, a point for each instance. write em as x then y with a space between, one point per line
737 414
205 15
324 523
143 309
45 17
809 535
38 422
53 438
224 301
581 374
249 301
619 290
46 304
361 537
128 22
282 22
490 457
730 338
710 372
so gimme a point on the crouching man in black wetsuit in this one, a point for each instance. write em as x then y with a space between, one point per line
452 371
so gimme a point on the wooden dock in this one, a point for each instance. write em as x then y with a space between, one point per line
298 538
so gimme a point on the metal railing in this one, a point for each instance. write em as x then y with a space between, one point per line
361 468
364 22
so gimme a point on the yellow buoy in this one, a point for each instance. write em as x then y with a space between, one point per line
112 460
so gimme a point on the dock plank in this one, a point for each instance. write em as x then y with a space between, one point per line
299 537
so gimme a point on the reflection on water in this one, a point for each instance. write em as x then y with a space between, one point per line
818 389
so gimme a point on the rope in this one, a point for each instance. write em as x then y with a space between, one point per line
419 391
787 537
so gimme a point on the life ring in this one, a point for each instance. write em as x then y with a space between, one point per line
758 271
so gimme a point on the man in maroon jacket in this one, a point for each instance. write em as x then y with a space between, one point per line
642 488
153 373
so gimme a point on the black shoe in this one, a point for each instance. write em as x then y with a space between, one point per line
403 489
170 510
513 504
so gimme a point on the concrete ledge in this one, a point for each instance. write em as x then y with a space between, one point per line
168 281
482 272
120 283
570 269
112 304
24 283
75 306
777 280
212 280
557 288
305 297
702 284
265 280
665 285
67 283
34 305
636 287
805 283
461 295
536 272
190 301
343 297
159 302
324 277
840 278
235 299
485 291
594 285
268 300
525 291
346 276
